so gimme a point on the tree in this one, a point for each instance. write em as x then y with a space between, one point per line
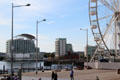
52 55
46 55
2 58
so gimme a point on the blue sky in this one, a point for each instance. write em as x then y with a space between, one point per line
64 20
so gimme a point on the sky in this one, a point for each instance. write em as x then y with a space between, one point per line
64 20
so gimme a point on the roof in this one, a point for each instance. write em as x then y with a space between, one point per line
29 36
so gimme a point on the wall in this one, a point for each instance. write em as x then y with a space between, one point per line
100 65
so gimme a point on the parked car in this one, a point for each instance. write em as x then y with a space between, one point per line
68 67
104 60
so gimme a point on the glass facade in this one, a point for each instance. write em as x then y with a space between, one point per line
91 50
21 46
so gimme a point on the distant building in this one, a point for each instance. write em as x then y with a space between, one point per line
23 46
69 48
80 54
90 51
60 46
2 54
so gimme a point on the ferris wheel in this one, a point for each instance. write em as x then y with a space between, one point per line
104 18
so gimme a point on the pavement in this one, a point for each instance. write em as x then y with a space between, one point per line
78 75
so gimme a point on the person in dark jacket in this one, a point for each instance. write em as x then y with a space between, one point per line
39 79
55 76
52 76
8 77
72 74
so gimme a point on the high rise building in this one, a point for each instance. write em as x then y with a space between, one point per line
60 46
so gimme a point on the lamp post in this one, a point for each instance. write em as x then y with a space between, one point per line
12 46
86 43
37 44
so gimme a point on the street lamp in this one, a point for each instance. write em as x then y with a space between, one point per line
12 47
86 43
37 43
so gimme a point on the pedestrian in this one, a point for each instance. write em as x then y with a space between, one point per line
16 77
72 74
52 76
39 79
5 77
55 76
97 78
8 77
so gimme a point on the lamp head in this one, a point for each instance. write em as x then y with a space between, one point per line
44 19
28 4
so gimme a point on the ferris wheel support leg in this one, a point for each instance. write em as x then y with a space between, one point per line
118 36
115 38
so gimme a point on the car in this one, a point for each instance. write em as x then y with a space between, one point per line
104 60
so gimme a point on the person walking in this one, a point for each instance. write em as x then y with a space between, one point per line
8 77
72 74
39 79
55 76
97 78
52 76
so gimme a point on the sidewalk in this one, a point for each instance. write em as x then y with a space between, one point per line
78 75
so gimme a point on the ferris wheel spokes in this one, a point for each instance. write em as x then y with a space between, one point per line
115 4
109 6
112 21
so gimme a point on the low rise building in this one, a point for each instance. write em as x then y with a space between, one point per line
89 51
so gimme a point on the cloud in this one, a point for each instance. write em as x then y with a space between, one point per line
43 37
50 22
4 21
20 27
3 1
47 46
45 43
63 16
42 6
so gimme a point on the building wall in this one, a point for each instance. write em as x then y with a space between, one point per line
90 51
57 48
104 65
3 54
69 48
21 46
60 46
